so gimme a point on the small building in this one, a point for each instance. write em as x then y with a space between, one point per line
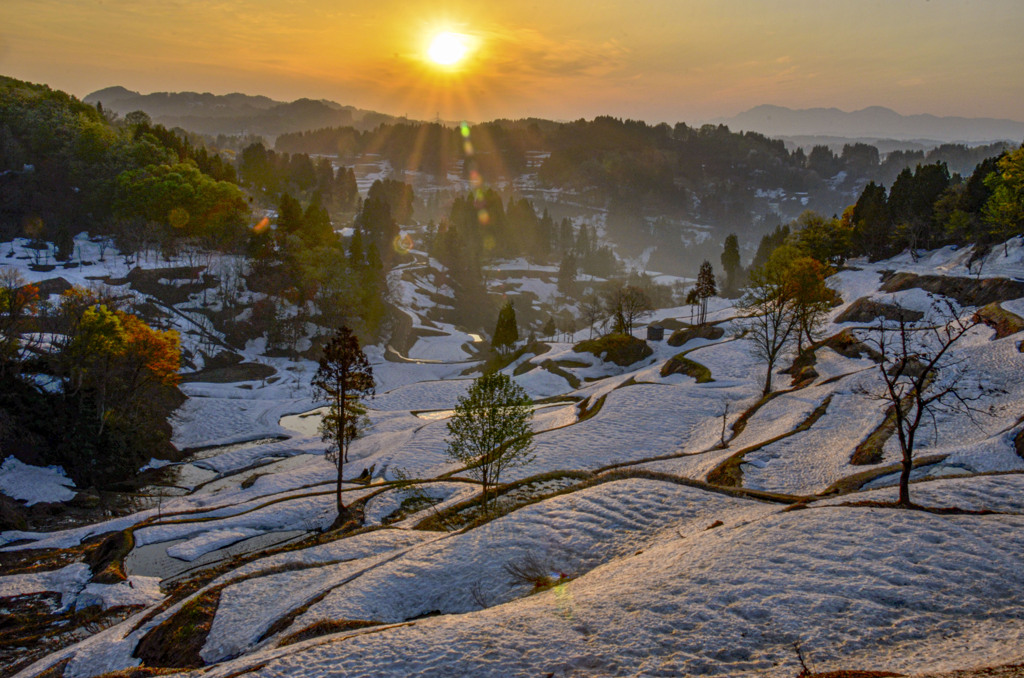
655 333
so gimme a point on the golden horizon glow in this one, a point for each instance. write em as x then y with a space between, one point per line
691 61
448 49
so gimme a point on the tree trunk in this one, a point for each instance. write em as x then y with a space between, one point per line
908 465
337 491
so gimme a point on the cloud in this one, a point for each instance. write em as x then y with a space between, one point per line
526 52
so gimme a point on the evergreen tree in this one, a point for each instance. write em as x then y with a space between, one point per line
343 377
289 216
550 329
705 288
506 331
871 223
731 263
316 222
355 248
567 273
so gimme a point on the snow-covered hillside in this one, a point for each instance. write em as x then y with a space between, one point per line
640 566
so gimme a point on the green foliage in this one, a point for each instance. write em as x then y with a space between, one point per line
871 223
269 174
67 159
769 242
824 240
183 202
490 429
113 385
1004 210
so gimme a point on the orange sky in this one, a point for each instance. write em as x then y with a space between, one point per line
659 60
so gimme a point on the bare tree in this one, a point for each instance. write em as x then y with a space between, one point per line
592 312
921 376
770 323
626 305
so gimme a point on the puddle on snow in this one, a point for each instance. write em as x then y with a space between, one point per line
216 450
435 415
307 423
152 560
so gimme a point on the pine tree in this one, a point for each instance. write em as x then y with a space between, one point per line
567 273
506 332
706 288
550 329
343 376
731 262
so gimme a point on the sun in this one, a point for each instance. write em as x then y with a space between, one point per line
448 49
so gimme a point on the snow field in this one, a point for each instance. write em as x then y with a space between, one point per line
654 590
882 589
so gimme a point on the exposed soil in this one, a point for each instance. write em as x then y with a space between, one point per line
999 319
966 291
621 349
681 336
865 310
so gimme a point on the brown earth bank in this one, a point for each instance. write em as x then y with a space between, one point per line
966 291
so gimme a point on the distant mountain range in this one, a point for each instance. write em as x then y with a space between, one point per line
236 113
872 124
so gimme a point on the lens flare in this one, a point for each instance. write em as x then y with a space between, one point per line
178 217
402 244
262 226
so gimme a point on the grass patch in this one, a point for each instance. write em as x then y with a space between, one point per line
866 310
870 450
138 672
998 318
682 365
856 481
504 499
499 361
729 474
740 424
621 349
555 367
410 505
585 410
31 627
326 628
685 334
966 291
176 642
107 560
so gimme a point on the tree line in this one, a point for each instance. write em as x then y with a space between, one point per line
84 382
